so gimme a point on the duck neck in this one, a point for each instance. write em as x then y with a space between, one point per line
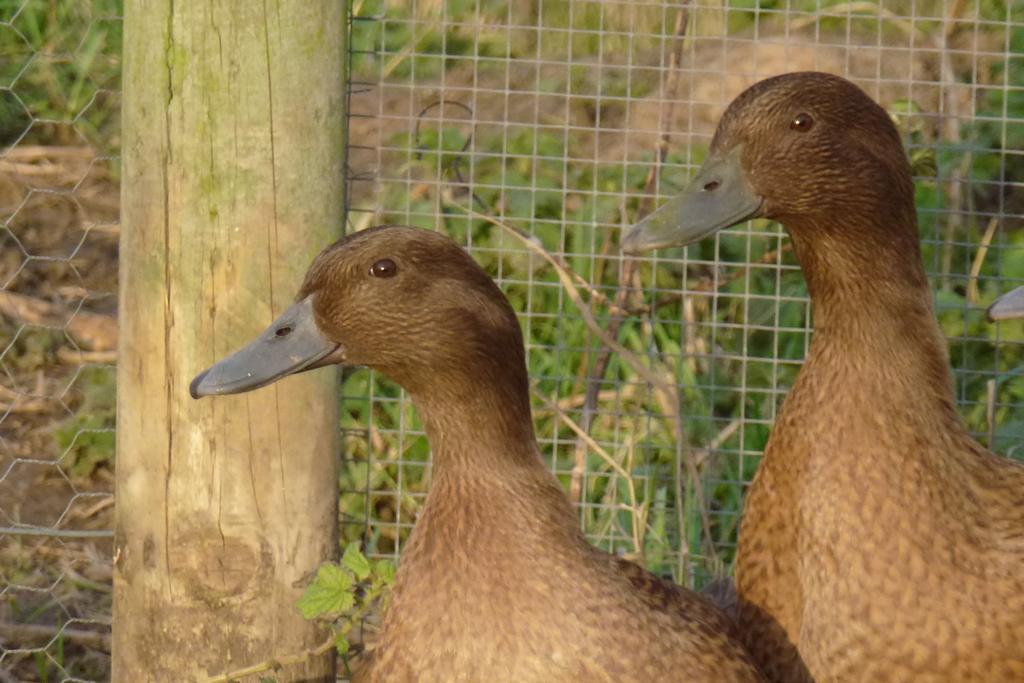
491 495
476 427
877 346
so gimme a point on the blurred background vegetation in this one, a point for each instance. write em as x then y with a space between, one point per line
556 160
492 120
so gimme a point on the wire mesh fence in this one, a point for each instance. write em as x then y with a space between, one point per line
59 111
532 132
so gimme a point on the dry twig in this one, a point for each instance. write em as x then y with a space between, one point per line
629 264
979 259
94 331
638 516
276 663
25 632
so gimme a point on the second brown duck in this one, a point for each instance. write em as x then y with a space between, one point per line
879 541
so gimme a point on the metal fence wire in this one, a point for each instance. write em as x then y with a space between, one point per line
59 136
522 127
531 132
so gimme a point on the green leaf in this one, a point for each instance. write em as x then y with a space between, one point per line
385 569
341 643
329 593
356 561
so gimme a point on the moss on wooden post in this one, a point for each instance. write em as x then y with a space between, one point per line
232 182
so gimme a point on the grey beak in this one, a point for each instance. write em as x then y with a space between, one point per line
1008 306
718 197
291 344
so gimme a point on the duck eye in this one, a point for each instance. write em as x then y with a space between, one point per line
802 123
283 331
383 268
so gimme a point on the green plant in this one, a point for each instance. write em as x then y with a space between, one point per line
339 596
86 439
343 593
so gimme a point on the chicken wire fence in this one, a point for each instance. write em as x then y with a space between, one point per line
59 133
532 132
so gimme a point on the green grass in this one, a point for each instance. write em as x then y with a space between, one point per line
60 63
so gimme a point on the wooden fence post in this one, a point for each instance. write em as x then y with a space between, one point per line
232 181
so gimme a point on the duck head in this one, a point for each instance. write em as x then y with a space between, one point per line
1008 307
405 301
802 148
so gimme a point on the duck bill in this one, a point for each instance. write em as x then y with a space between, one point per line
291 344
718 197
1008 307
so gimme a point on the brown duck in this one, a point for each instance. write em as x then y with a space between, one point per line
497 583
879 541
